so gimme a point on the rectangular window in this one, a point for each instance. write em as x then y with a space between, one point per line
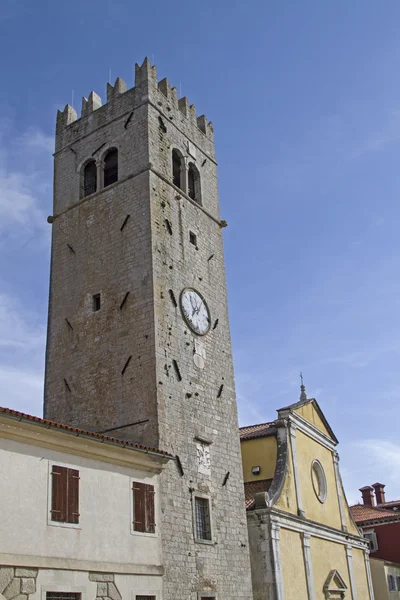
392 587
373 542
64 494
398 583
63 596
143 507
192 238
202 517
96 302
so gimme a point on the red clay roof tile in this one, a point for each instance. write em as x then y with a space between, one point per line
91 434
362 513
254 487
251 432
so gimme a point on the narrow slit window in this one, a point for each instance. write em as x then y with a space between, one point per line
192 238
194 183
176 169
89 179
96 302
111 167
202 517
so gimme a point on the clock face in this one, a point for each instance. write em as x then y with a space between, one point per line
195 311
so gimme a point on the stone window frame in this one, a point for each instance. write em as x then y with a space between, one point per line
81 172
63 588
145 592
49 501
201 595
197 540
317 468
154 483
192 168
99 162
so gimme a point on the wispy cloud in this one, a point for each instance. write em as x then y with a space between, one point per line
22 341
25 190
366 461
25 176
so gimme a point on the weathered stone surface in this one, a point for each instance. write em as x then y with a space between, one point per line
113 592
13 589
21 572
101 577
102 590
6 574
21 597
147 260
28 585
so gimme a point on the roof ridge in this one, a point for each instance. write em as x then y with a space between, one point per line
256 425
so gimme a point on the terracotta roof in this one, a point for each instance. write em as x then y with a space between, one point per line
91 434
362 514
254 487
251 432
391 503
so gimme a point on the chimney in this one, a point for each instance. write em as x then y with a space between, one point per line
368 495
379 492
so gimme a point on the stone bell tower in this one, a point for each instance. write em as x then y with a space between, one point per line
138 332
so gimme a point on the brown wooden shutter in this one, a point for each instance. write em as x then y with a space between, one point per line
59 487
139 506
73 496
149 497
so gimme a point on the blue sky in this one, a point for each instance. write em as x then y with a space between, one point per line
305 101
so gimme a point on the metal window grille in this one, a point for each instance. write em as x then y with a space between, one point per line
90 179
176 169
191 184
110 175
90 188
203 523
63 596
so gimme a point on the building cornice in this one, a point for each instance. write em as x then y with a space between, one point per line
303 525
80 445
72 564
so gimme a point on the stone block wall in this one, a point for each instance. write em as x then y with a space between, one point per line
117 366
16 583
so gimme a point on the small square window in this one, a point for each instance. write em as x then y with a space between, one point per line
203 520
96 302
192 238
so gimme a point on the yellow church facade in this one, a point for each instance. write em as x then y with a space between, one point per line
304 544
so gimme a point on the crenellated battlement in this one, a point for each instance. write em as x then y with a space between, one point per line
146 89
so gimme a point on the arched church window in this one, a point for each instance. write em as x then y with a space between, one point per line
194 183
176 168
111 167
89 179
